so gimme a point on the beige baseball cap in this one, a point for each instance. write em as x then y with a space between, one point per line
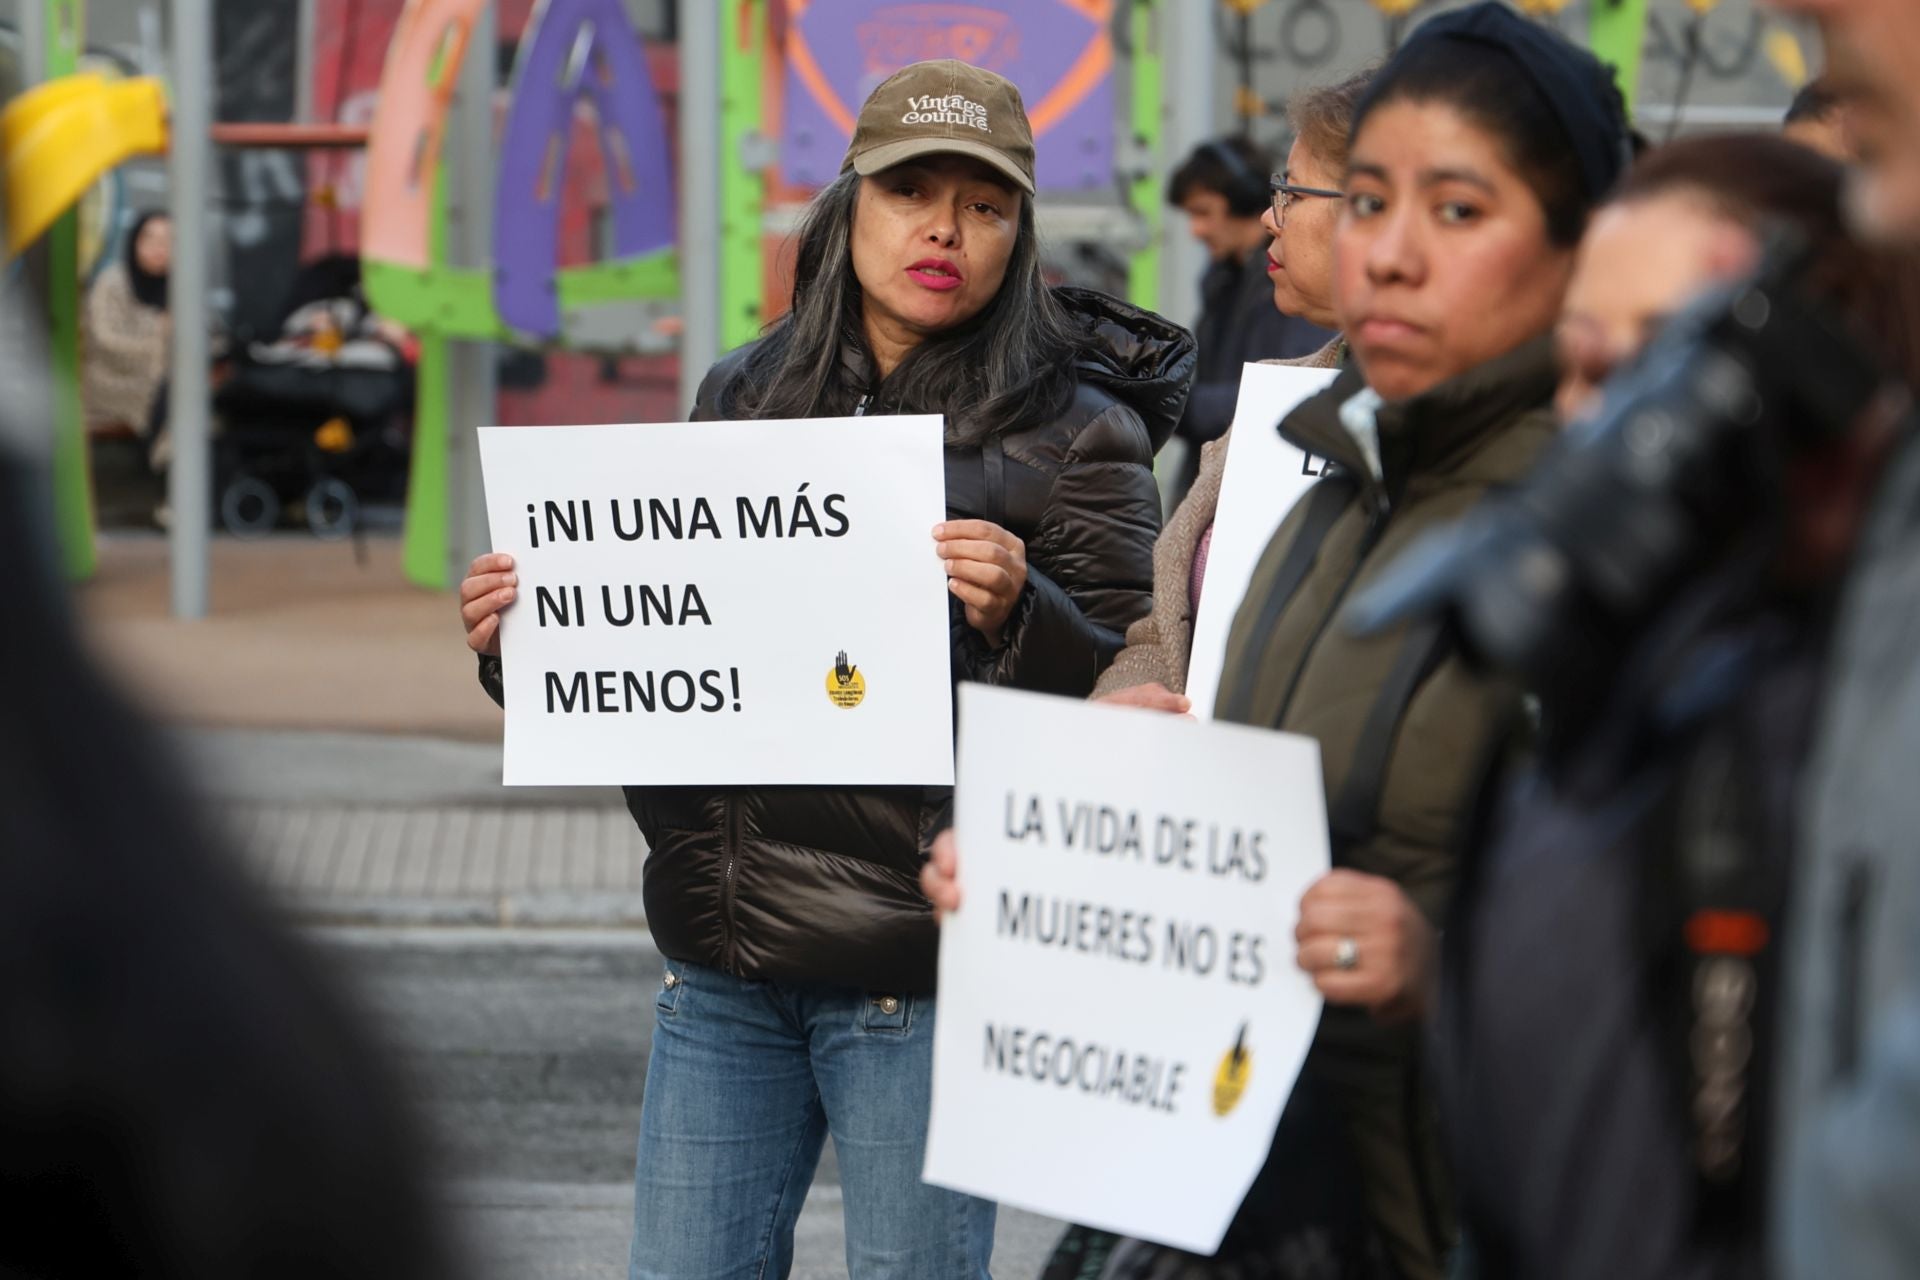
945 107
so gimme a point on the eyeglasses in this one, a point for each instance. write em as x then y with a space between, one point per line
1285 193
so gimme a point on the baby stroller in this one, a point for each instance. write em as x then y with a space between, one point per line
316 420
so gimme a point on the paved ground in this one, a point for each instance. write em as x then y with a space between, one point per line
528 1050
359 828
498 939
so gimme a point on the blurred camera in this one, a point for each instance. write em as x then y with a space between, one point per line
1685 460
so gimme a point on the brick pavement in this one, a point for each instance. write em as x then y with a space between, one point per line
375 829
344 863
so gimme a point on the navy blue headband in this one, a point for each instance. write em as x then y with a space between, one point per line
1578 87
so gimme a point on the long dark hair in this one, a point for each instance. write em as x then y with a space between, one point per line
1756 178
149 289
1009 367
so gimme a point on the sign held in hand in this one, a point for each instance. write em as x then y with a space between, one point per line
1121 1020
724 603
1264 477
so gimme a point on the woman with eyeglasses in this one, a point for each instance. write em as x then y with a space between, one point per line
1152 670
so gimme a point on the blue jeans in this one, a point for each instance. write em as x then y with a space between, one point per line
745 1081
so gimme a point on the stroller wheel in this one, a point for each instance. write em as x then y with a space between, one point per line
333 508
249 507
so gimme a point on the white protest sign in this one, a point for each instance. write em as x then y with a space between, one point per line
1264 477
1120 1018
724 603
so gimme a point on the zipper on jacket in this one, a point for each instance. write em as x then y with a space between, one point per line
731 856
860 410
1376 526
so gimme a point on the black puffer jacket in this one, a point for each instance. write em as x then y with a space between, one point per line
816 884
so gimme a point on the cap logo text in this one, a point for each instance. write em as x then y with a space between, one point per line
952 109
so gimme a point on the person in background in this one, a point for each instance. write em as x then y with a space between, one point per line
1222 188
1818 119
799 994
1573 1160
1299 223
126 334
1847 1172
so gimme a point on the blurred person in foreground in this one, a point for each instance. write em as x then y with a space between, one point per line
1478 152
1609 997
1817 118
1848 1173
799 999
1222 188
183 1091
1299 222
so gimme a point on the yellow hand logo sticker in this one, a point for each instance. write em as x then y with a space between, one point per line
1231 1077
846 687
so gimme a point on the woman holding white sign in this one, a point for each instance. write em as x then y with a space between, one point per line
1477 155
1477 158
1152 670
798 997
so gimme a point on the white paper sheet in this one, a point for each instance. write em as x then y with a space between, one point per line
1131 884
1265 476
724 603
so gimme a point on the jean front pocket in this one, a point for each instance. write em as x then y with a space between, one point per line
888 1013
672 983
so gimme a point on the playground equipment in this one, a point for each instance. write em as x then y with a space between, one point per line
786 74
65 136
574 50
60 138
1617 36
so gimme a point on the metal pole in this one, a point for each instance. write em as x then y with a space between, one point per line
33 43
1187 45
190 477
699 193
306 51
28 430
472 376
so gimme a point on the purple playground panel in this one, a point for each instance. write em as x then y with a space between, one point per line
855 44
578 48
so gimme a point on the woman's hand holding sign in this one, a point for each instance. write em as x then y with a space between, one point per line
1150 697
940 877
1364 942
986 569
490 586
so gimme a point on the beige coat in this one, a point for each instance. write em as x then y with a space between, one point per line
123 354
1159 645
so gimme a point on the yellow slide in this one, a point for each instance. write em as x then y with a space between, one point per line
58 139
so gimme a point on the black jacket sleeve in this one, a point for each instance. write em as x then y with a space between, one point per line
1089 567
491 679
